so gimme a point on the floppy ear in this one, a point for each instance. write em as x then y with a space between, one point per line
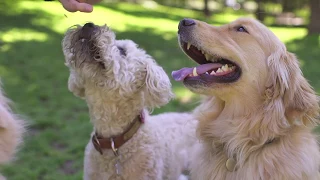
289 95
76 86
157 86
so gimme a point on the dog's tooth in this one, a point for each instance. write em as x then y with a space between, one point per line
207 73
219 70
207 56
223 68
213 73
82 40
188 46
194 72
230 67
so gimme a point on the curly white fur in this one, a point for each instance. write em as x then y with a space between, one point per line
11 131
118 80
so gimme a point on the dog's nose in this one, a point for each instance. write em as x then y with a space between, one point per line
88 25
186 22
87 30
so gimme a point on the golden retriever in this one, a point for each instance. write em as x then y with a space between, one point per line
11 130
257 118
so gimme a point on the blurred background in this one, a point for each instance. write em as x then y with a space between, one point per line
34 76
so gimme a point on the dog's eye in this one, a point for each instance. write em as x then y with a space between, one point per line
241 29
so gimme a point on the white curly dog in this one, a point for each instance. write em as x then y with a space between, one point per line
11 131
120 83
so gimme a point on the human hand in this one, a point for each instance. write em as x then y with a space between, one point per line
78 5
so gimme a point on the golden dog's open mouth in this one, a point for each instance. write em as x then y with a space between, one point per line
212 68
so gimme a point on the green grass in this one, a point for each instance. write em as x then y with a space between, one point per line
34 76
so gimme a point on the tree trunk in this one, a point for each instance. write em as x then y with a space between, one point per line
206 8
288 5
314 24
259 11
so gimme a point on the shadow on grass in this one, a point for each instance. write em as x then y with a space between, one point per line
24 20
307 51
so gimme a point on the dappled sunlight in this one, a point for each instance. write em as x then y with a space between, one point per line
61 19
285 37
122 21
16 34
223 18
155 10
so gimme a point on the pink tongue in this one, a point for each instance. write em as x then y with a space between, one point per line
181 74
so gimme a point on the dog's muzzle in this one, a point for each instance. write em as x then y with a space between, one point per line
87 30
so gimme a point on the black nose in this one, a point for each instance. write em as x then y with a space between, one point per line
186 22
87 31
88 25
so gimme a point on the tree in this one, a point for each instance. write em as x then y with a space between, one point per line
259 12
314 24
291 5
206 10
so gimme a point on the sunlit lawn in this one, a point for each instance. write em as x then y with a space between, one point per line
34 76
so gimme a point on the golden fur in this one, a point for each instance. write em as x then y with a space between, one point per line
11 130
271 101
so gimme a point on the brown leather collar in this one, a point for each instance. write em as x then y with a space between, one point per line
115 142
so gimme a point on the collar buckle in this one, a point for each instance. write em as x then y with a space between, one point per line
114 149
97 144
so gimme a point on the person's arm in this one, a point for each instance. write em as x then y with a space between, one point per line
78 5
